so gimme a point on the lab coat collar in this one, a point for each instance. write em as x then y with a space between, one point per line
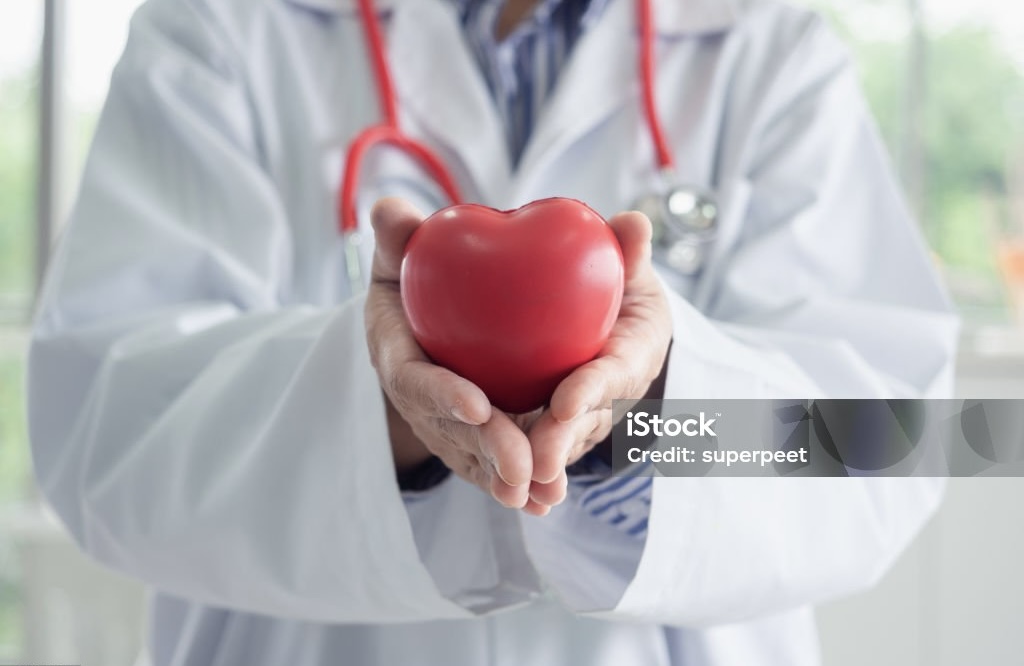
672 17
457 111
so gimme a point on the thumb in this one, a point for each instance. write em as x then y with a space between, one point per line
633 230
394 221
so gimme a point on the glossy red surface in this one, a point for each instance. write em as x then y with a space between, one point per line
515 300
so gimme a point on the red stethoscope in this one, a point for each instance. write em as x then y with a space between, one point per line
683 217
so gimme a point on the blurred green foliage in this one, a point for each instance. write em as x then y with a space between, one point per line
975 115
973 129
14 456
17 202
18 138
14 482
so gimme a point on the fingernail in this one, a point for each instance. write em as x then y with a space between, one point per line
460 415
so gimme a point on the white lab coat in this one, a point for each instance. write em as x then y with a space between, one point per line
204 415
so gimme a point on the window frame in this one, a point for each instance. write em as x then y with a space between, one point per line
53 130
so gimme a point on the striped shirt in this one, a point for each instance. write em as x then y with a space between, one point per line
521 70
623 501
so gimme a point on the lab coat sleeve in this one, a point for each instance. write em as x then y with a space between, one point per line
820 287
190 427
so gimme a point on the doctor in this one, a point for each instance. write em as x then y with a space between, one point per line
205 415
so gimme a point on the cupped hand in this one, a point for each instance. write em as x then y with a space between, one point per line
431 410
580 413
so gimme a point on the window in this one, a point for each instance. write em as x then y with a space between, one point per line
20 29
95 40
19 50
946 82
87 44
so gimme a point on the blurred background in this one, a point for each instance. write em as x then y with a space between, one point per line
946 81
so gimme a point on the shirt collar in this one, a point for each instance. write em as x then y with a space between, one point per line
671 17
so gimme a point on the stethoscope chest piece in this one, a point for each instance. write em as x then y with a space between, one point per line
684 221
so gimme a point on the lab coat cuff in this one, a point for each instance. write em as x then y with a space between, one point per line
423 478
686 371
705 362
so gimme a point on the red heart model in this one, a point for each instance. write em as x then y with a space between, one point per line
513 301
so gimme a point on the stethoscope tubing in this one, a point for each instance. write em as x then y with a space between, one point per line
645 23
389 132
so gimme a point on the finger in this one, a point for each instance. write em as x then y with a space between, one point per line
554 442
415 386
461 464
479 477
509 452
536 508
422 389
388 334
513 497
525 421
552 493
498 446
474 467
464 464
593 387
394 221
634 232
